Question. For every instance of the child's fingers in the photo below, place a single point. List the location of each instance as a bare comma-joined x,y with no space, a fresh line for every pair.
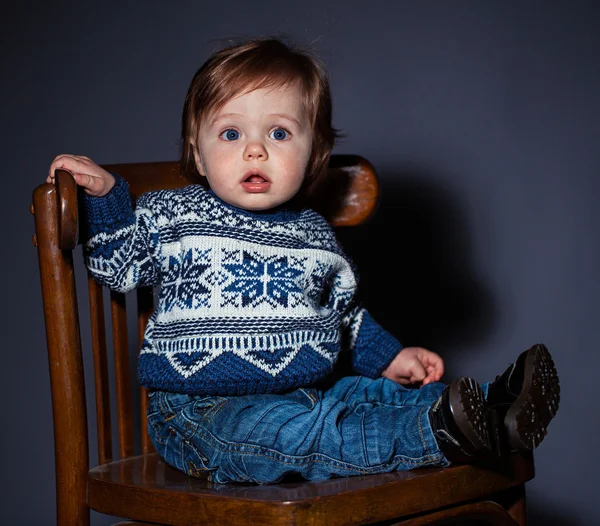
87,174
434,363
435,372
71,162
84,180
66,162
438,369
417,372
92,185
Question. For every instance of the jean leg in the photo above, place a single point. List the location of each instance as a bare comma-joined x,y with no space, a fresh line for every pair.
404,411
485,386
262,438
359,389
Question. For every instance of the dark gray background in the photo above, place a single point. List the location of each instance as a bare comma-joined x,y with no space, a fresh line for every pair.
482,118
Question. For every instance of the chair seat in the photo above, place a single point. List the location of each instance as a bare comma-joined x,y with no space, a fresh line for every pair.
145,488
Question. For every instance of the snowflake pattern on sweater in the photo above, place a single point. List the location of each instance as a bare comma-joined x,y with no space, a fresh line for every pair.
248,302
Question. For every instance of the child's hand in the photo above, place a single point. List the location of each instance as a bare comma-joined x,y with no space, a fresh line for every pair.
415,365
95,181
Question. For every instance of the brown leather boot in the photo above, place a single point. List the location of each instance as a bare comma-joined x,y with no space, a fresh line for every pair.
460,422
526,398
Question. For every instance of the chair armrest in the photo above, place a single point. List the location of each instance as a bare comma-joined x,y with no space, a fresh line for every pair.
68,210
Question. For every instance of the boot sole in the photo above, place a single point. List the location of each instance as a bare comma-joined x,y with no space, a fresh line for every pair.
469,409
527,419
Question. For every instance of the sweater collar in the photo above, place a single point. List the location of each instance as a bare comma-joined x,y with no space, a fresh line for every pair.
280,214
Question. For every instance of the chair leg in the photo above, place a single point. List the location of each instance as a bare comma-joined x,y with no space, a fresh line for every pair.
517,507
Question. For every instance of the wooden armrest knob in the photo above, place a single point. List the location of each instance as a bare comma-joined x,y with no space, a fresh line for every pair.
68,220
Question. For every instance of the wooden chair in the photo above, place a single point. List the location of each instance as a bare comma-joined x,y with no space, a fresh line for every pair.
141,486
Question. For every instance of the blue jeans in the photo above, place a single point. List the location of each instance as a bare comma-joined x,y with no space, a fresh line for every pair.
357,427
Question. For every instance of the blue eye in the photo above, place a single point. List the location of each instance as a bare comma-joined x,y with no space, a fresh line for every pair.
279,134
230,135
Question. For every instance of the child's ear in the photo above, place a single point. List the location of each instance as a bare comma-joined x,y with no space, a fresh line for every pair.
197,158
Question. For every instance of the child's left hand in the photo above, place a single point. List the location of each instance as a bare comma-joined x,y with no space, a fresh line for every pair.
415,365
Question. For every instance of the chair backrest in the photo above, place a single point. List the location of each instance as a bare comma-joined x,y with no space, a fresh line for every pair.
350,198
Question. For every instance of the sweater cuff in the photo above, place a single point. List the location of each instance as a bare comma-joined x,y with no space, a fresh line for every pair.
111,211
377,348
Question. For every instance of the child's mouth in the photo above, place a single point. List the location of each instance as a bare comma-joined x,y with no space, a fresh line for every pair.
255,183
255,179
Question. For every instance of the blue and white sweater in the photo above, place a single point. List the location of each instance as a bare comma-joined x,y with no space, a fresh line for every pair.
248,302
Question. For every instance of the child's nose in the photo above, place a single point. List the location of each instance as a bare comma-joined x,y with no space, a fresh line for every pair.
255,151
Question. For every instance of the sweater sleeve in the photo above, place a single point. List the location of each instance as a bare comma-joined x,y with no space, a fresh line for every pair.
372,348
122,247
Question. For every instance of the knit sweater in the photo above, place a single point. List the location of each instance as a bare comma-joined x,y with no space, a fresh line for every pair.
248,302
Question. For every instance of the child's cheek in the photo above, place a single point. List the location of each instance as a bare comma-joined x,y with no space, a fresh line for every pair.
223,156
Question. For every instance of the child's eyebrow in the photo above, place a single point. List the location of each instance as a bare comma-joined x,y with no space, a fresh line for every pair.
280,115
223,116
287,117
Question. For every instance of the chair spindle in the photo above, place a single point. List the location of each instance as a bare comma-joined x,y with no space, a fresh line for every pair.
101,375
122,381
145,306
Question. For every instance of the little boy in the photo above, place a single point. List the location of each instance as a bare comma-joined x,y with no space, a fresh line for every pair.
257,299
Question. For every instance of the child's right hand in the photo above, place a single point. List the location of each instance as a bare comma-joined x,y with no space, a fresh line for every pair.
96,181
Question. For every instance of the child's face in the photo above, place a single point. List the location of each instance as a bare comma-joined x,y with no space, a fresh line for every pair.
254,150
